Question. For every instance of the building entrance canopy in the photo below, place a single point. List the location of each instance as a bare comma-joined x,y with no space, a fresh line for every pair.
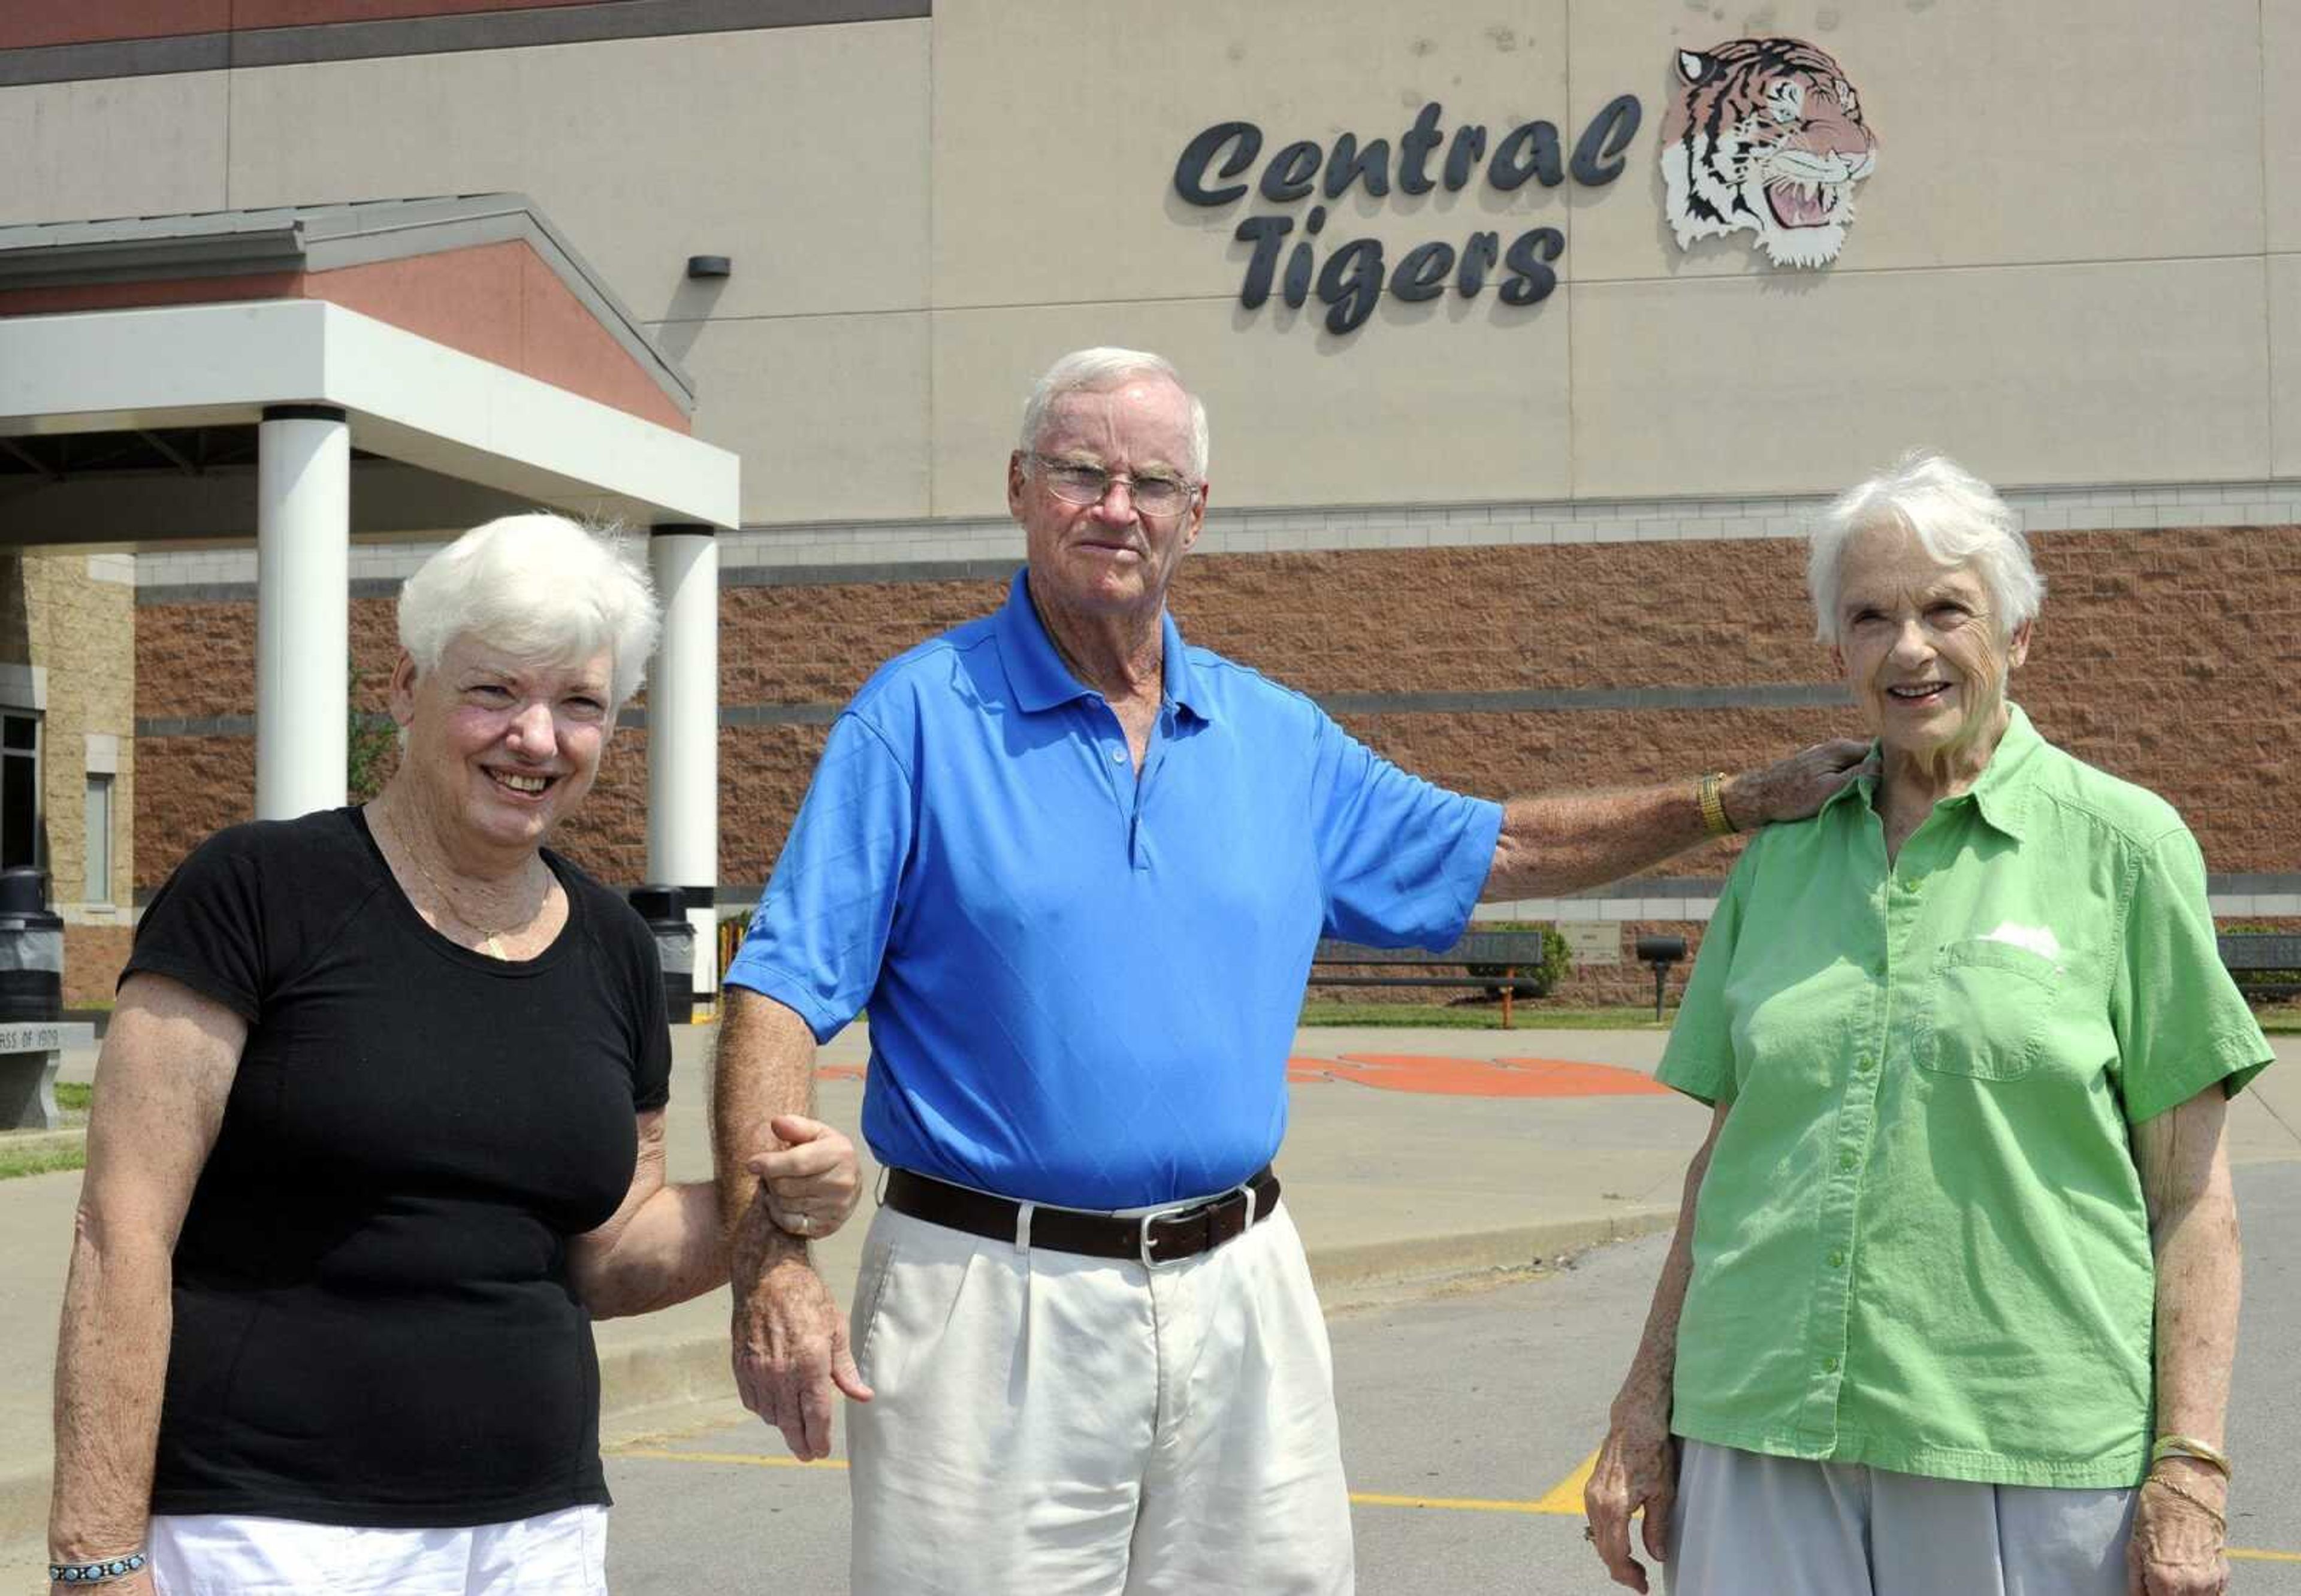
406,368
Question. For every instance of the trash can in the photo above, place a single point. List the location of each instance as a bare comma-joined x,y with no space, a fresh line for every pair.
675,944
31,1001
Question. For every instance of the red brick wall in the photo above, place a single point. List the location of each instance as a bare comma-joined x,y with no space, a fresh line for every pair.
2168,657
93,958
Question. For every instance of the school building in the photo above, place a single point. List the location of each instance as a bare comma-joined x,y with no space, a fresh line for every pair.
1530,334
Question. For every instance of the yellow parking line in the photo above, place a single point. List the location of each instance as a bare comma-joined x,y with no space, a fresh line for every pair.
1564,1498
1457,1504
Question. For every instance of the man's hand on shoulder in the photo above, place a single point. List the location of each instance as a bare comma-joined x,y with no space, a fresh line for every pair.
1794,788
790,1352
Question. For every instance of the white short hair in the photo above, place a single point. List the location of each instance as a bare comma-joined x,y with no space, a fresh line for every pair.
539,587
1092,370
1954,515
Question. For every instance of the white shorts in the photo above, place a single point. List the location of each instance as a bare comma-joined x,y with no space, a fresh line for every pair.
230,1554
1045,1422
1747,1524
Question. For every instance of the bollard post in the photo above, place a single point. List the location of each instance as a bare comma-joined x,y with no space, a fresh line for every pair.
675,946
31,1001
1661,953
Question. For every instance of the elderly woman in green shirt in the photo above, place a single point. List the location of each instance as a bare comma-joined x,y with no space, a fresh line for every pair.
1952,1299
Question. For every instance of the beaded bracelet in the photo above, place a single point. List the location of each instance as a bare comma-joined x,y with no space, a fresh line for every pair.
101,1573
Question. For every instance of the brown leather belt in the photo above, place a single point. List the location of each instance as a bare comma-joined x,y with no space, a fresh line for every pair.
1167,1237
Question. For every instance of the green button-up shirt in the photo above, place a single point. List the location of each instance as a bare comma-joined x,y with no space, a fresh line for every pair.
1921,1244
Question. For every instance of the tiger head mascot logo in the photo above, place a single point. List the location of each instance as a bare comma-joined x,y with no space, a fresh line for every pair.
1765,134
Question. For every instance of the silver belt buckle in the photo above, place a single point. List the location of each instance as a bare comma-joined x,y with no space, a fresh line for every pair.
1143,1247
1143,1241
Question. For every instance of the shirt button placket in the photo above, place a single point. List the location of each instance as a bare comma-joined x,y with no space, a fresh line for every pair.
1841,1205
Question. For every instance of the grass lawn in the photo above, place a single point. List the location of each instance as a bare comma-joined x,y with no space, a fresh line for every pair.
1479,1016
41,1160
42,1156
2282,1021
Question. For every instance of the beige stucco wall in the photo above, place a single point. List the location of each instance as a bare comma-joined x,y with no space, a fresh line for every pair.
82,630
114,147
2058,270
2280,89
2078,260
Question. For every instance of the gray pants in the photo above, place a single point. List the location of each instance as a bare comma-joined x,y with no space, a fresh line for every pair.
1753,1525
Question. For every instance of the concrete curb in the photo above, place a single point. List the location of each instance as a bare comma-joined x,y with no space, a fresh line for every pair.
656,1376
1349,1277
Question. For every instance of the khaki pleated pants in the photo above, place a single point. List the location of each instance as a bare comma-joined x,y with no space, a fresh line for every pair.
1049,1424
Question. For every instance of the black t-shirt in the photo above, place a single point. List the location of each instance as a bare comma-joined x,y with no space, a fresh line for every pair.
373,1318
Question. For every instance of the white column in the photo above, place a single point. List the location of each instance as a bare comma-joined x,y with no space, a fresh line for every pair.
683,734
303,608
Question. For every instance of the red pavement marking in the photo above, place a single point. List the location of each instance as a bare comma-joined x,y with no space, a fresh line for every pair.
1563,1079
839,1071
1475,1077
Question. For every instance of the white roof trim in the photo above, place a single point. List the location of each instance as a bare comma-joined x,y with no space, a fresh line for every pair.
408,397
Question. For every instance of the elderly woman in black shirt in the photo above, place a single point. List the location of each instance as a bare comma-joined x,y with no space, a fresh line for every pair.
378,1130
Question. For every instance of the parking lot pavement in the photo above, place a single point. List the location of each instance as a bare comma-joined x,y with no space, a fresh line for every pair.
1467,1420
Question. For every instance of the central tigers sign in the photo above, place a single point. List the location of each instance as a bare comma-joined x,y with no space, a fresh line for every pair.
1351,280
1761,135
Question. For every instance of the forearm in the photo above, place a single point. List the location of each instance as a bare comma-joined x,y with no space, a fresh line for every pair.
1574,840
1566,842
1654,1366
2183,1161
2199,1284
671,1249
757,1246
112,1361
765,1067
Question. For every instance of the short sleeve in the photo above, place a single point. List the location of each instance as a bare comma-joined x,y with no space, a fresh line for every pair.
207,928
2182,1023
817,939
1698,1059
1402,861
651,1058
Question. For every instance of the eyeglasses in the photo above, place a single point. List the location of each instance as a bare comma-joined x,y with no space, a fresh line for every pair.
1153,493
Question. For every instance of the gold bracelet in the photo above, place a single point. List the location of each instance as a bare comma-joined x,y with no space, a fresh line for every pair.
2188,1495
1713,805
2189,1446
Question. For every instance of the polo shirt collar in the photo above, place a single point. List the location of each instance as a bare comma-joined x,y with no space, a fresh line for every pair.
2000,794
1041,680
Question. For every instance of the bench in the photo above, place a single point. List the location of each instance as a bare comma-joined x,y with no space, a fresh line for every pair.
1510,962
2265,963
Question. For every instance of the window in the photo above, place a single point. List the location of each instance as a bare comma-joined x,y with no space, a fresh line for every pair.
19,789
97,885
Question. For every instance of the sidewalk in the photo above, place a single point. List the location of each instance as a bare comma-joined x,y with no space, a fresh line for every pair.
1399,1166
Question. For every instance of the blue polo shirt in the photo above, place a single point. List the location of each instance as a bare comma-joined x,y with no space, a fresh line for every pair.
1083,983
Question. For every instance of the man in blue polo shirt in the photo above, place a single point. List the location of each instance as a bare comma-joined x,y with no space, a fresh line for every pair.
1077,869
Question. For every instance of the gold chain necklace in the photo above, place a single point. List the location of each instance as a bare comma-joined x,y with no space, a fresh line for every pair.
493,939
